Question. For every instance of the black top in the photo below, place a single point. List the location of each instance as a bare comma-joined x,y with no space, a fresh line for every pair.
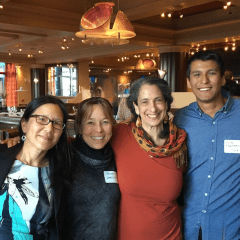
55,224
93,203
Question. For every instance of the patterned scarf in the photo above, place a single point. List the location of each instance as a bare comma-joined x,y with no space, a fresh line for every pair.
174,146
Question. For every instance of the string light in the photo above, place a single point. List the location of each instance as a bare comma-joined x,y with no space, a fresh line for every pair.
204,48
181,16
225,7
226,48
169,15
163,15
229,4
1,6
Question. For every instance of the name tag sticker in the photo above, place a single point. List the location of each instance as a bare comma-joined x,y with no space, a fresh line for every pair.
232,146
110,177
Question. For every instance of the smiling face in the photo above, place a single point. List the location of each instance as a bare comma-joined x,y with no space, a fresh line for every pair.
42,137
97,128
206,81
151,107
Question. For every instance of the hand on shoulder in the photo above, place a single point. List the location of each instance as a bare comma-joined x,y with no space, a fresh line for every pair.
11,141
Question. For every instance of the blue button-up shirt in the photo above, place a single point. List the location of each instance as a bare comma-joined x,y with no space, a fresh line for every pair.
212,182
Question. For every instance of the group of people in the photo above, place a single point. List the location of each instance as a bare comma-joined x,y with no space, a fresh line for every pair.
123,181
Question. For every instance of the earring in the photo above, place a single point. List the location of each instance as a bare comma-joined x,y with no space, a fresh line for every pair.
138,122
23,138
166,118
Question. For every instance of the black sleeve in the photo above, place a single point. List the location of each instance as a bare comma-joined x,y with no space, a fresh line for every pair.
3,147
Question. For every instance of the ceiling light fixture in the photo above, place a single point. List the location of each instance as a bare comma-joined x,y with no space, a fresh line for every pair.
226,48
169,15
20,49
163,15
229,4
181,15
9,53
95,26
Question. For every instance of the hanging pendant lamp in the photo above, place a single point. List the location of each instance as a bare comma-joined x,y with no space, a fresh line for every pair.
95,26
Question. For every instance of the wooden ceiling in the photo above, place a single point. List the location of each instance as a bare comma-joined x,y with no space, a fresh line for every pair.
34,26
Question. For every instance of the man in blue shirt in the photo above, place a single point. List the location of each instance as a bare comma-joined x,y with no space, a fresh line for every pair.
212,181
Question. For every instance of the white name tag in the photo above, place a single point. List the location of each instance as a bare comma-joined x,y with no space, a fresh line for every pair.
232,146
110,177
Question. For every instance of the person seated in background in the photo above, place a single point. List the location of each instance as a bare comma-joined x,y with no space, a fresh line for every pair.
123,112
34,173
231,86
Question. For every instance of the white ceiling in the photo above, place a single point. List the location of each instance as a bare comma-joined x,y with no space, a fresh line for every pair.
41,25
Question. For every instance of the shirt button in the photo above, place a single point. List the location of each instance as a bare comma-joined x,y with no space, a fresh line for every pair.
213,140
204,211
206,194
211,158
209,176
214,122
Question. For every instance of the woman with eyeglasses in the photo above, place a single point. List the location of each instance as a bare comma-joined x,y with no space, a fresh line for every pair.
34,173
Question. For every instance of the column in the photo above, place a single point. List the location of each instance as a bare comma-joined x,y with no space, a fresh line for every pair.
83,79
173,59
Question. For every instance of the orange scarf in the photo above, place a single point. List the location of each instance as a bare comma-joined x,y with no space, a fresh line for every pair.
175,145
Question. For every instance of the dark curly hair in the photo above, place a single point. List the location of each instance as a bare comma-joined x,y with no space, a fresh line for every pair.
163,87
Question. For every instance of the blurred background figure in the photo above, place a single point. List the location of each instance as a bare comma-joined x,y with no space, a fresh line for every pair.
231,86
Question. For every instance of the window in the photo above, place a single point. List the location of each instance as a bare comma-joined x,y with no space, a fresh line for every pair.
2,78
62,80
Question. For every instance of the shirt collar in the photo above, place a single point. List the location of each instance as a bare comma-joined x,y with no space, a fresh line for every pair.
224,109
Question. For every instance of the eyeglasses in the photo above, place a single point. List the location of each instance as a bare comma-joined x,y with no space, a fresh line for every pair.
43,120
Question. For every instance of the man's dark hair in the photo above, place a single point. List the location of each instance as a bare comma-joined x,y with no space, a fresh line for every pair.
205,56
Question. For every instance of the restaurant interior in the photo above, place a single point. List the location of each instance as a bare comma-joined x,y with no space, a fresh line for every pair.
79,49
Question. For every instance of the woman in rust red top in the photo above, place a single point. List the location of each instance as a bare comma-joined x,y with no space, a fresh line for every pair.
150,156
